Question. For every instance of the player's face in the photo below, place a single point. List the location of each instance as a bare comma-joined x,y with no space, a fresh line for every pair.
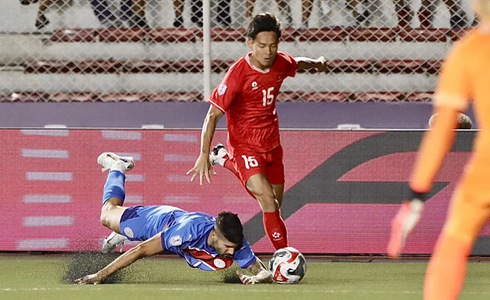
264,49
224,247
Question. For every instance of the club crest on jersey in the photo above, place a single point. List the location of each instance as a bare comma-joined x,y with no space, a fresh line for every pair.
222,89
128,232
176,241
219,263
255,85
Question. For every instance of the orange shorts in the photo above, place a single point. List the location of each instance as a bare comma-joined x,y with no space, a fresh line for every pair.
248,163
469,209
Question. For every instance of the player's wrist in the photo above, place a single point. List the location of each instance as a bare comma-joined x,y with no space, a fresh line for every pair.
263,276
412,195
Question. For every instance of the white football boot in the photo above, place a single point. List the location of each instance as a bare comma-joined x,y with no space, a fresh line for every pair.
112,241
107,159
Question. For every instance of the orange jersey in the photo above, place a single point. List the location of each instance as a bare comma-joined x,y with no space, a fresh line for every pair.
465,77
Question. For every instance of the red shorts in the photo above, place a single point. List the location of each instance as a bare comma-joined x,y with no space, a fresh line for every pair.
248,162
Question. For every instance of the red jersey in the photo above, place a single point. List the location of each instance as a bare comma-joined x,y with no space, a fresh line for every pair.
248,95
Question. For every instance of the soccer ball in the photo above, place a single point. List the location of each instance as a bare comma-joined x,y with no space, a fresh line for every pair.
287,265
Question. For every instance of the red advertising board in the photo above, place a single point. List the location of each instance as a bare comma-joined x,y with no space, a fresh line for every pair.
342,187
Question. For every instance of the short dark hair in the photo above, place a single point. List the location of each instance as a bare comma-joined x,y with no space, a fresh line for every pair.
230,226
263,22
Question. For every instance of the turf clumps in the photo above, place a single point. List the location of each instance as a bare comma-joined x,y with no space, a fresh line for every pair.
229,276
85,263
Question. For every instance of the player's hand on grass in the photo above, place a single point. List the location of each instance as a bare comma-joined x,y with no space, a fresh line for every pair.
245,279
263,276
203,168
89,279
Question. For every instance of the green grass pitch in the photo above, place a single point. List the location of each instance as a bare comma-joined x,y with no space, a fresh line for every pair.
40,277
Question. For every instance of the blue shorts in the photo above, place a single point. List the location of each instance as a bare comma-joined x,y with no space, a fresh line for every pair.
139,223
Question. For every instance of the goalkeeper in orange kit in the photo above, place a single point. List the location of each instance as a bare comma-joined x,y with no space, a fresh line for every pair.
465,76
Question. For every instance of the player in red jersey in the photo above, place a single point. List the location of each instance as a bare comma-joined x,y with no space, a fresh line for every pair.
247,94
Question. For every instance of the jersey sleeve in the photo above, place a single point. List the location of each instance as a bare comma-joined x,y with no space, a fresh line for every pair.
245,256
292,65
223,95
453,88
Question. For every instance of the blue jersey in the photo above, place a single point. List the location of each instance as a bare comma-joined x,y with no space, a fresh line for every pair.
183,233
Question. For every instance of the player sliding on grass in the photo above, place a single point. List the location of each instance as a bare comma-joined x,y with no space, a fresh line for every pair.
247,95
465,76
205,242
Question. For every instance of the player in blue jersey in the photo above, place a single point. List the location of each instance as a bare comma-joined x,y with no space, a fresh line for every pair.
205,242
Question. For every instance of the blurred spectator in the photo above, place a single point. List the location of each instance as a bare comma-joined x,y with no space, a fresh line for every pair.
428,9
41,19
306,7
196,12
139,17
284,9
404,13
222,13
361,10
178,11
104,14
132,11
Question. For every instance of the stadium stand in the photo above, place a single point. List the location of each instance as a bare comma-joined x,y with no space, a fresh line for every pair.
74,59
113,61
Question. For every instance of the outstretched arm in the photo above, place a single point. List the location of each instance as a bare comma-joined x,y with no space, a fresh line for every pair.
202,166
304,63
435,145
147,248
261,274
433,149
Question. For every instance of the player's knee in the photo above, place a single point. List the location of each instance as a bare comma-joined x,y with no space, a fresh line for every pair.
105,213
261,193
267,201
104,220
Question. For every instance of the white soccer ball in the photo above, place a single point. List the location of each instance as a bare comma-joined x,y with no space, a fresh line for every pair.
287,265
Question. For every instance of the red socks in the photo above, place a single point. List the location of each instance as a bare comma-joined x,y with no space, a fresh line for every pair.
275,229
274,225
